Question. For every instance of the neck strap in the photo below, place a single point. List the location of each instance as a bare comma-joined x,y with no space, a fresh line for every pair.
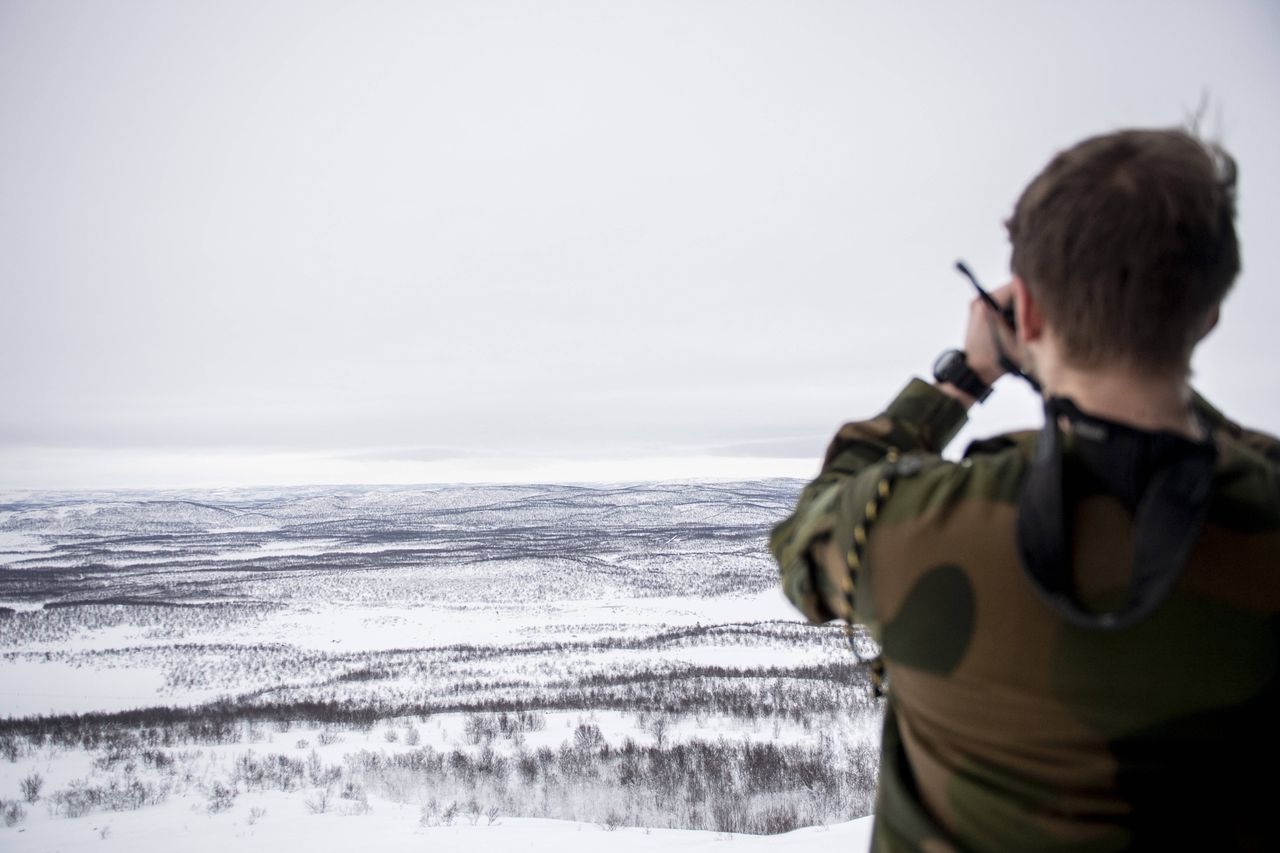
1163,479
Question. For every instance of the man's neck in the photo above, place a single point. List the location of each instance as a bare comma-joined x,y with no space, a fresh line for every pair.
1153,403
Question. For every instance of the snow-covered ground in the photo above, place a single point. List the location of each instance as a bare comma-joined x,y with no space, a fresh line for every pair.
284,824
419,667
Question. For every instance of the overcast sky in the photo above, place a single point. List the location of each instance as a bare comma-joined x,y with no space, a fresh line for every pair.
273,242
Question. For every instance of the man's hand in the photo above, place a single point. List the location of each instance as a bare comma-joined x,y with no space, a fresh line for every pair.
979,337
981,353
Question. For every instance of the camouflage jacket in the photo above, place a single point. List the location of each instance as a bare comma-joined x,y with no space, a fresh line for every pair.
1007,728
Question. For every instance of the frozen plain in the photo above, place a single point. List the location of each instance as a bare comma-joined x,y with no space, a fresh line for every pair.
459,663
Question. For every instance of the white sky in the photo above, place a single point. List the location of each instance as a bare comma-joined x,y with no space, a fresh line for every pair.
271,242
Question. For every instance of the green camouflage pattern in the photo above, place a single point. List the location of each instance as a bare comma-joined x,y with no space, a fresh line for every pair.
1007,728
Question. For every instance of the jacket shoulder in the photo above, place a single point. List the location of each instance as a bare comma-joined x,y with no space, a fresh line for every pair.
1011,445
991,470
1246,488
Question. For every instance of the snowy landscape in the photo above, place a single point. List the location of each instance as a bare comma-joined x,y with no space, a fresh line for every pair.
420,667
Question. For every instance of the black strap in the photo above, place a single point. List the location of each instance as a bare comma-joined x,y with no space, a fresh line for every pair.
1006,315
1165,480
1006,361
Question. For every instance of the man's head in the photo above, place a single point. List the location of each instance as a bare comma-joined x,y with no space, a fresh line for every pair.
1126,242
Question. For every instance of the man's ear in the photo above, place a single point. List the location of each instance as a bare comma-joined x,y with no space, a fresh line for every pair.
1027,312
1210,322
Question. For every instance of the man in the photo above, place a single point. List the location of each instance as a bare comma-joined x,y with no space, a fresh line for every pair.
1080,627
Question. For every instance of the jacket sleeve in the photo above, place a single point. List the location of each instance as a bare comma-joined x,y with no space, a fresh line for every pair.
818,548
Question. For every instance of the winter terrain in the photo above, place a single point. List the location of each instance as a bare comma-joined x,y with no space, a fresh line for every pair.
430,668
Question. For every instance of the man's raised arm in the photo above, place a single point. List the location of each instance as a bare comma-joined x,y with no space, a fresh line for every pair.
818,548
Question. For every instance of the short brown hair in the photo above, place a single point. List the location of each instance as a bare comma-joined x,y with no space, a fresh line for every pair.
1128,241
